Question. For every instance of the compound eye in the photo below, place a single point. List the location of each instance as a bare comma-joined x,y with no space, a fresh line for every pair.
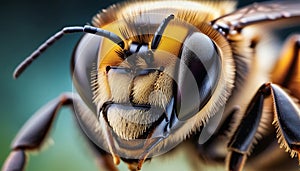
84,62
198,74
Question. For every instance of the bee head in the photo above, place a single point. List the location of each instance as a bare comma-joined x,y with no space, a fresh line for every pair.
159,86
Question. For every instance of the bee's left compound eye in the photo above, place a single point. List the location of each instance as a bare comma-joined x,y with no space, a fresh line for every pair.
198,75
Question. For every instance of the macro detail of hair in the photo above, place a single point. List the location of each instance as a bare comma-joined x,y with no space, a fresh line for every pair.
160,79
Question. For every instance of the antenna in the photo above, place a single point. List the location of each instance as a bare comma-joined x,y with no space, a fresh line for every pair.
158,34
66,30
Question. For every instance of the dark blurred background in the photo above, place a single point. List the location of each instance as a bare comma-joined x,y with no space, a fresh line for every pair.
24,26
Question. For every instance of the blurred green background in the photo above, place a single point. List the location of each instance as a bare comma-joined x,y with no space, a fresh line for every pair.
24,26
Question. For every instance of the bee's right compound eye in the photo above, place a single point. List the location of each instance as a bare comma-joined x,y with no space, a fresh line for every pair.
198,75
84,62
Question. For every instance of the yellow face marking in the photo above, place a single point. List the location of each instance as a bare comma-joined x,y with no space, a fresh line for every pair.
172,38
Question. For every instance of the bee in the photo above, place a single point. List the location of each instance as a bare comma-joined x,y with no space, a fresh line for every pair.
152,75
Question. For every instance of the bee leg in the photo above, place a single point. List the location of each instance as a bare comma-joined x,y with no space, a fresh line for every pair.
34,132
286,120
243,137
286,72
